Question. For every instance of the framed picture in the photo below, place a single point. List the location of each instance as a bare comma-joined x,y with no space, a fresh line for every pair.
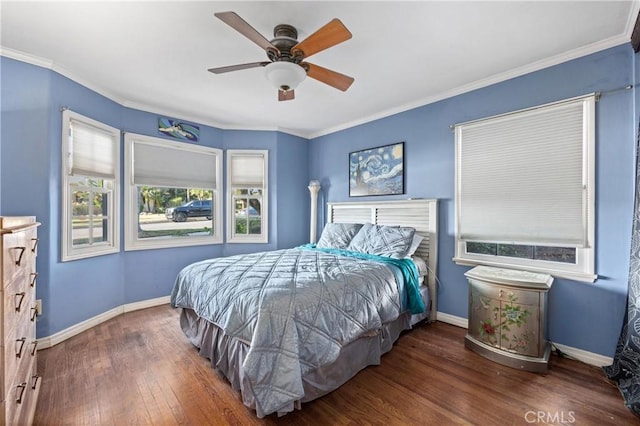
178,129
377,171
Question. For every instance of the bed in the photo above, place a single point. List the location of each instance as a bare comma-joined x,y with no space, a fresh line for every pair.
288,326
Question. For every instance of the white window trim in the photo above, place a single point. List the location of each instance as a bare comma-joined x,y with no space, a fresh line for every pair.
132,242
248,239
584,268
69,253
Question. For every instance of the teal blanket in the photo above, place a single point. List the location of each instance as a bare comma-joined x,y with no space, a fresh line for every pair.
407,269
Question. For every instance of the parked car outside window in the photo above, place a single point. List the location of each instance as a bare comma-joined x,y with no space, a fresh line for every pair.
195,208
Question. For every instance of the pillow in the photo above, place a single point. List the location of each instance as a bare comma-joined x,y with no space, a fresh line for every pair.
417,239
338,235
423,269
383,240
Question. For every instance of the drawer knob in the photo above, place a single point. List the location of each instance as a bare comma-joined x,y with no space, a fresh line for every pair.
35,245
35,381
22,249
34,312
19,299
22,342
22,387
35,346
34,277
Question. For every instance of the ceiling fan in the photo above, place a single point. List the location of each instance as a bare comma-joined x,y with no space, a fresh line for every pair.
287,67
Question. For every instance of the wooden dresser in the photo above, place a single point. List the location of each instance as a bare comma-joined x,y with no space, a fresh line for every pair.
19,378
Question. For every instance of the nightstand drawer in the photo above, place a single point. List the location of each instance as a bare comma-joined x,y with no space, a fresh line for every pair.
505,294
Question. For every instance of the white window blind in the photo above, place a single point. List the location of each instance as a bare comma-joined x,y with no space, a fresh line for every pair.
247,196
168,164
90,187
247,170
92,150
523,178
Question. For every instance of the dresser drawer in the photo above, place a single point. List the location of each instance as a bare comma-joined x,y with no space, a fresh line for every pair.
18,302
505,294
19,351
15,256
19,251
21,396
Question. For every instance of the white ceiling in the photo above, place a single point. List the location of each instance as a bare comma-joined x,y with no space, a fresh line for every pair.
154,55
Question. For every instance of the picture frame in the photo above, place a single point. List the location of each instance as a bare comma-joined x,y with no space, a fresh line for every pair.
377,171
178,129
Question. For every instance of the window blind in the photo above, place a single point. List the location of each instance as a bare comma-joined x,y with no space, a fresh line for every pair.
92,150
169,165
522,177
247,170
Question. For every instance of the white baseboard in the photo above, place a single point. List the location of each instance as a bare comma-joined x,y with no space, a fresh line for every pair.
590,358
584,356
46,342
453,320
149,303
61,336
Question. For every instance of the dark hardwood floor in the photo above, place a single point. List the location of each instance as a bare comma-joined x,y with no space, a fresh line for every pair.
139,368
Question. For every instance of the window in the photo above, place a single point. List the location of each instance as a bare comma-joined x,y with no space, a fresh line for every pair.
247,196
525,190
90,183
173,196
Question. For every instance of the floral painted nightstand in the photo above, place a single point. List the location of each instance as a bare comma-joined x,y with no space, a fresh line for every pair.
507,317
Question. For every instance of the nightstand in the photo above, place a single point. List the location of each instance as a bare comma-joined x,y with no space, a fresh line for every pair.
507,317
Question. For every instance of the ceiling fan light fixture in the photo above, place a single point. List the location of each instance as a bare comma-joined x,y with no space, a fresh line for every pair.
285,75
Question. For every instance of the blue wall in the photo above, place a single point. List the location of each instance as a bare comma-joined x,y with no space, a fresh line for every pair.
30,183
584,316
581,315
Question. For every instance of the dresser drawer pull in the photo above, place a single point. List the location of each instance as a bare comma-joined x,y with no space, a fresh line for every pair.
34,312
23,387
35,345
35,245
22,249
22,342
35,381
19,299
34,277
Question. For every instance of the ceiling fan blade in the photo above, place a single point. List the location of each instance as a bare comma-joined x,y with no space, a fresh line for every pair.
331,34
237,23
286,95
238,67
327,76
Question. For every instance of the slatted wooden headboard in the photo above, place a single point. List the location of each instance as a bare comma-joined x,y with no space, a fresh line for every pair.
419,214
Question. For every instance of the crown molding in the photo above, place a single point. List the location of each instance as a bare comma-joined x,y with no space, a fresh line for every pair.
479,84
207,121
25,57
49,64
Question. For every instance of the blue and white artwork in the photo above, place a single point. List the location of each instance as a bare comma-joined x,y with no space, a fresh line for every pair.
377,171
178,129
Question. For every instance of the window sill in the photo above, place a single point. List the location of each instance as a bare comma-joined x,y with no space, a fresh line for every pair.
254,240
175,243
570,275
88,253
